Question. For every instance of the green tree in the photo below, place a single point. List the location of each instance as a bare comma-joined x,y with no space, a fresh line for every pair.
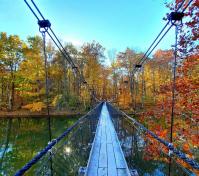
11,55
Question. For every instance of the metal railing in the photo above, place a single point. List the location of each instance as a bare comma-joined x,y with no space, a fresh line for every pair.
141,151
67,153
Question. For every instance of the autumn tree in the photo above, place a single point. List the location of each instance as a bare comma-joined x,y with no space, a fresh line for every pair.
10,57
126,63
93,53
32,86
188,36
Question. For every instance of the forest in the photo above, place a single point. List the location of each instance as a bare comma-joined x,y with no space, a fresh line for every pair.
147,94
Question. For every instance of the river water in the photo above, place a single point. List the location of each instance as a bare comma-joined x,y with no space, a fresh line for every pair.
23,138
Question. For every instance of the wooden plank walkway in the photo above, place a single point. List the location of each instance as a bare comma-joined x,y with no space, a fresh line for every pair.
106,156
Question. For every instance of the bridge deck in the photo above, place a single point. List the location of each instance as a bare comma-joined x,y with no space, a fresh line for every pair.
106,157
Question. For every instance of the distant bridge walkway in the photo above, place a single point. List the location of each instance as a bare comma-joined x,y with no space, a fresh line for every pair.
106,157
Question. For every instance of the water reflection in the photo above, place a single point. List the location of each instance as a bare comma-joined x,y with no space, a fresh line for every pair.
70,154
148,158
22,138
67,150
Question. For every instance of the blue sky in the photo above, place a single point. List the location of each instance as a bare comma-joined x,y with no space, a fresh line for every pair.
113,23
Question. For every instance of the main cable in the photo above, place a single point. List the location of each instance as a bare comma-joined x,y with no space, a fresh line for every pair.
36,7
155,45
145,56
56,42
42,16
64,52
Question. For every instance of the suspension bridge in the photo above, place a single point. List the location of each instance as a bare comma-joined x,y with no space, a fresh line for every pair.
100,134
106,156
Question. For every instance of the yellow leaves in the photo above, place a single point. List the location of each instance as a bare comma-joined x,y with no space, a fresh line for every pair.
56,100
174,135
35,107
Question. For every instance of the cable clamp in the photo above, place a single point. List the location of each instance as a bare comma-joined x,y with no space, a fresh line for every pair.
170,146
74,67
44,25
138,66
176,16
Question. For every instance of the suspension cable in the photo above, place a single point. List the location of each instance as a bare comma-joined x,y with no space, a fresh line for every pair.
194,164
31,9
63,51
51,144
145,58
68,56
174,83
173,92
57,43
147,53
43,29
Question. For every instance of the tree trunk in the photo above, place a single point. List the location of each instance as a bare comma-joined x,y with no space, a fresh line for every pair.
143,88
11,93
154,86
65,90
2,89
131,87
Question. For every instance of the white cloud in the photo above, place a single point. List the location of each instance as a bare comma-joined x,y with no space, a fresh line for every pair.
76,42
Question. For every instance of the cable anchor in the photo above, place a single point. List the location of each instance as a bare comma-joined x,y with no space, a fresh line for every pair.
44,25
138,66
176,16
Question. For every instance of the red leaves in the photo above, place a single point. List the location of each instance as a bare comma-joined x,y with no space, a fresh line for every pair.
186,147
186,111
189,31
163,134
196,3
163,56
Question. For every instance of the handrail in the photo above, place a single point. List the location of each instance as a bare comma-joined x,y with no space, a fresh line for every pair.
170,146
52,143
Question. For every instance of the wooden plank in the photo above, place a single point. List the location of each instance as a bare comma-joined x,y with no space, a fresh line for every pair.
93,164
102,171
103,155
112,170
122,172
108,133
109,140
103,135
98,135
106,156
120,162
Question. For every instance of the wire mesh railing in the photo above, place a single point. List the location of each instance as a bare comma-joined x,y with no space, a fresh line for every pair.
143,152
69,152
